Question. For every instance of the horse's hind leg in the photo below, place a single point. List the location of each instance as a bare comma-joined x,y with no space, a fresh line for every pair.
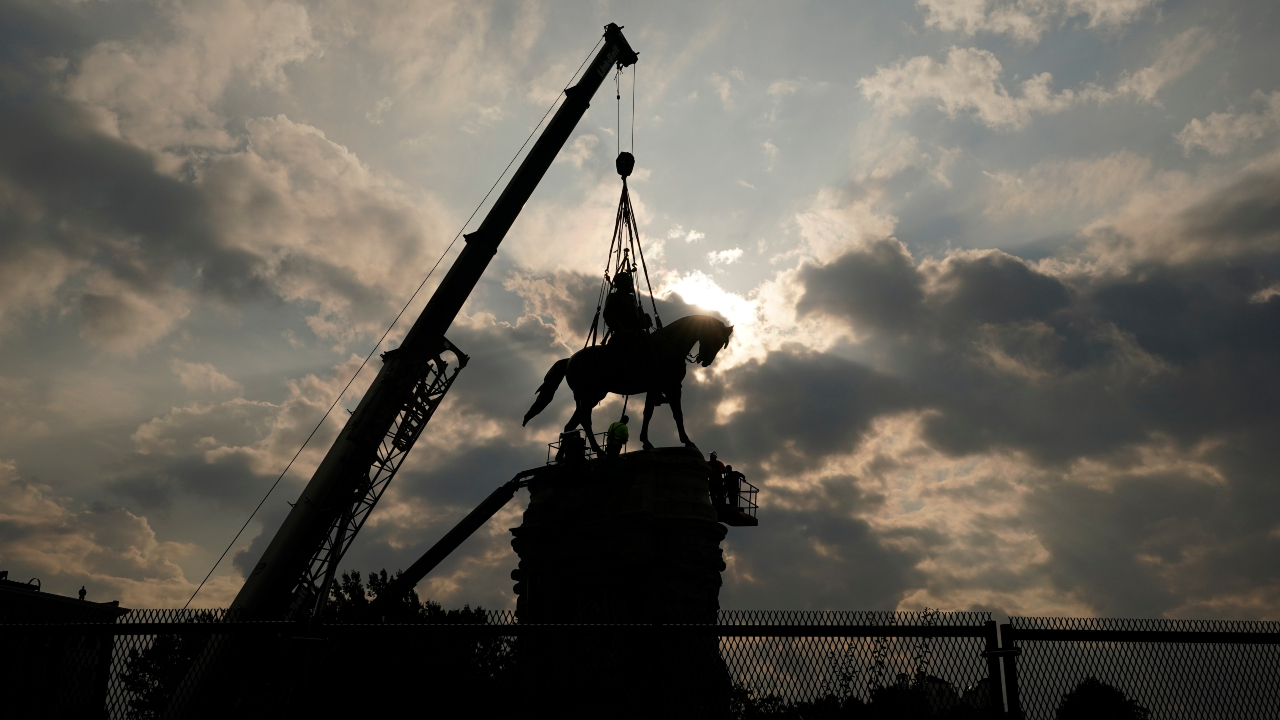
573,420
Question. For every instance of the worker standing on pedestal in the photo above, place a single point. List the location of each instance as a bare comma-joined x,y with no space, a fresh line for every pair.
715,483
732,484
617,437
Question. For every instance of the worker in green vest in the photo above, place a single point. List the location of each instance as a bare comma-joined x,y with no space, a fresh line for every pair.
616,437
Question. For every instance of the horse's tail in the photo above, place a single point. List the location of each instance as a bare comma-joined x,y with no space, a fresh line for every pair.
547,390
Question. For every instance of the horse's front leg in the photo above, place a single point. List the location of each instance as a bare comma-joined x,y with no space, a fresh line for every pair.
673,397
648,414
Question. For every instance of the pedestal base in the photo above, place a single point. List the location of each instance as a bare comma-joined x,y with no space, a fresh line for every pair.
631,539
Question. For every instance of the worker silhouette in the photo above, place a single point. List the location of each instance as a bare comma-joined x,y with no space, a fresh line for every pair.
616,437
573,449
715,483
732,484
83,592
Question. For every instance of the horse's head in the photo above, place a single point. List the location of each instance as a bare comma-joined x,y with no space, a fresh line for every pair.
713,342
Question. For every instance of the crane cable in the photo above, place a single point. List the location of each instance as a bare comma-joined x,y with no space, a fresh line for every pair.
391,326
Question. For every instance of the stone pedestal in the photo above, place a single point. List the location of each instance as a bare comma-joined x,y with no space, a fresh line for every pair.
631,539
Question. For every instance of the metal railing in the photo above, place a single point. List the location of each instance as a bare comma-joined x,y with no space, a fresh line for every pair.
744,498
578,450
750,664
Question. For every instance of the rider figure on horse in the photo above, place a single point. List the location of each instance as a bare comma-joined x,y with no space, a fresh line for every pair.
628,323
622,312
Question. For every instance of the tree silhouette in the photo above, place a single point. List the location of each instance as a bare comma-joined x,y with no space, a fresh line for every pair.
152,674
459,663
1093,699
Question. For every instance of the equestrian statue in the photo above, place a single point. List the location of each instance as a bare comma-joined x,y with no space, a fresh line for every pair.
632,361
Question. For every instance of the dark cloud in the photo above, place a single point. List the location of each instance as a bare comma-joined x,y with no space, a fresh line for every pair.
799,407
878,286
152,484
995,288
1249,209
1163,377
814,560
111,190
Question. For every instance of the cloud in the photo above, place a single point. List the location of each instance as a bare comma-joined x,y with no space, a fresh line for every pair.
1041,404
969,80
374,116
771,152
725,257
550,235
834,222
255,435
1179,218
198,377
724,89
579,151
782,88
1077,183
29,280
163,95
1222,133
679,233
113,553
124,317
1177,56
278,217
1028,20
438,60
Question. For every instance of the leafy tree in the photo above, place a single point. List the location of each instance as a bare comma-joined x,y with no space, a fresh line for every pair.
152,674
387,661
1093,699
349,597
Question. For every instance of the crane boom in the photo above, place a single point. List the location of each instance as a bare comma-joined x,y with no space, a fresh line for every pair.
294,572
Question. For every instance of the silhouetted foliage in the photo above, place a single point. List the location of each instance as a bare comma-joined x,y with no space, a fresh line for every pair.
151,675
448,667
1093,699
923,696
349,597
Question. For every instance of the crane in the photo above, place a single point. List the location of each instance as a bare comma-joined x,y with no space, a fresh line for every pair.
291,580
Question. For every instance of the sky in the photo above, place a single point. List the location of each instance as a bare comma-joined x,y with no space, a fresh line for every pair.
1004,278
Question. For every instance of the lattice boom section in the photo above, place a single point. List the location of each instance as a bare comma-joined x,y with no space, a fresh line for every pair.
399,439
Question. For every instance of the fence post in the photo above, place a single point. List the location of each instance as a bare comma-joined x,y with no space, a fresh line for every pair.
996,702
1010,651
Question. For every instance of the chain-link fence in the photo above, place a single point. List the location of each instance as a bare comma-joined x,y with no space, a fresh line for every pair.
1161,669
174,663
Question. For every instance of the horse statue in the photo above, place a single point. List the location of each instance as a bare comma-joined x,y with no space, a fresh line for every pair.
656,369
